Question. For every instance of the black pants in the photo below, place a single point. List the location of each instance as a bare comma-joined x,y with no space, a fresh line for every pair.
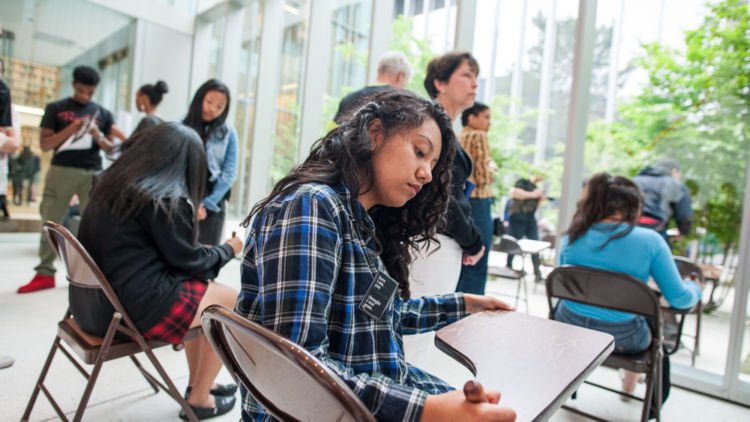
520,225
211,228
4,206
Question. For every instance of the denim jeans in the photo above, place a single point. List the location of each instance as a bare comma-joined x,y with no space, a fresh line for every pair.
474,277
631,336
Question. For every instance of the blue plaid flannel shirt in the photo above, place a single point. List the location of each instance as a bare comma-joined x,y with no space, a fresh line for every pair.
306,270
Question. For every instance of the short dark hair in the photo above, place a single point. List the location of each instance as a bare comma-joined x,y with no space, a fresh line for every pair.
474,110
441,68
154,92
86,75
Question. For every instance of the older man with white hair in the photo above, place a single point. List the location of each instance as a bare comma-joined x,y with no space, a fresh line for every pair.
394,72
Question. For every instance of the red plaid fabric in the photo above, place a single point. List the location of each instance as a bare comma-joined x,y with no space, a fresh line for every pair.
172,328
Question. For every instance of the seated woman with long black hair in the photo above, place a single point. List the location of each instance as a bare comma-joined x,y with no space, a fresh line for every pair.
344,220
604,235
140,227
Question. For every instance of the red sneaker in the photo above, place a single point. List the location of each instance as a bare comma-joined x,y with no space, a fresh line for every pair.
39,282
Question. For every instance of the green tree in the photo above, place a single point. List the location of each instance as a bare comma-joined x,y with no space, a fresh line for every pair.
695,108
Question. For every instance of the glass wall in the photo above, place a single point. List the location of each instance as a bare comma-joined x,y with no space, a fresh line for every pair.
350,39
287,121
40,45
245,100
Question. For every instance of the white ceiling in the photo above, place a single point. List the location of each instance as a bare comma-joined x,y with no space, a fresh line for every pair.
54,32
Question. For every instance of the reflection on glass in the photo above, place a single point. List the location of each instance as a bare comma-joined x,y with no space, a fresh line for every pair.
286,134
245,100
215,46
348,66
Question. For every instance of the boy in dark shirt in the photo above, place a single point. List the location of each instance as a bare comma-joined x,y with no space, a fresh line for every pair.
76,128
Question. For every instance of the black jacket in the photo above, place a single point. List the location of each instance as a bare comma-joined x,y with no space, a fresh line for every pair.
461,225
146,258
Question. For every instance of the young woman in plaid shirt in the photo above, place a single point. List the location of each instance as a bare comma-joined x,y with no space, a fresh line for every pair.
370,190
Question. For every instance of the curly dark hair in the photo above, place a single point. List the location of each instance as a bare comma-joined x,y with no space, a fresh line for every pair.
344,156
605,196
441,68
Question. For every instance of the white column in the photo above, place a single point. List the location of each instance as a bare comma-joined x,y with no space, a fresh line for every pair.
516,82
740,306
545,88
265,117
578,113
230,61
489,93
614,63
201,43
315,75
380,36
466,16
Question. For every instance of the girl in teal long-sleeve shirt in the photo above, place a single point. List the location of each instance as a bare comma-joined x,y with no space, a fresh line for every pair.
603,235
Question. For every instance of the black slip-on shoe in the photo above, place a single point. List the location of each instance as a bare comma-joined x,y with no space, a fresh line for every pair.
223,405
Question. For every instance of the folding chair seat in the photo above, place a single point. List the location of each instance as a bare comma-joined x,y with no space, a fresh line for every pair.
509,245
289,382
686,268
82,271
619,292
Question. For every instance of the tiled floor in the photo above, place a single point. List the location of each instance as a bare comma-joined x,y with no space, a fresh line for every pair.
121,394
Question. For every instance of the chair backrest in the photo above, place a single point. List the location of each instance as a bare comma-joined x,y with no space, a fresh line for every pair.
508,244
80,268
687,267
286,379
605,289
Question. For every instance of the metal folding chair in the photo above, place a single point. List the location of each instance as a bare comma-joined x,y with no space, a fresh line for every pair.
509,245
82,271
289,382
620,292
686,268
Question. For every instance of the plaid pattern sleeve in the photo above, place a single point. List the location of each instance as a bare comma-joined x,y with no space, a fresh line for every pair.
305,271
431,312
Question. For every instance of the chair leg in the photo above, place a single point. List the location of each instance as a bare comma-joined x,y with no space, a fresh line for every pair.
658,390
144,373
696,344
40,381
526,294
518,292
103,351
170,385
647,398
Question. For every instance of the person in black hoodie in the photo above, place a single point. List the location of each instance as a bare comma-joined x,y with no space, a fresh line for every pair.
141,228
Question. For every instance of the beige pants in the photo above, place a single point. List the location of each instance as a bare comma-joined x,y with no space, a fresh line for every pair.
60,185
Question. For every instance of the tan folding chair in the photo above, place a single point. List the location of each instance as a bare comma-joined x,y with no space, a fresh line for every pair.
509,245
687,268
620,292
82,271
289,382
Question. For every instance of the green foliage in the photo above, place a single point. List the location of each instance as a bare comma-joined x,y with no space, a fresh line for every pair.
696,109
416,49
722,214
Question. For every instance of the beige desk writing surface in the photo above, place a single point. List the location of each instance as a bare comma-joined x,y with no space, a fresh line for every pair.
535,363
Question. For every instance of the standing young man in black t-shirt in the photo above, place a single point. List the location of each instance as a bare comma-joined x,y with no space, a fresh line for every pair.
76,128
